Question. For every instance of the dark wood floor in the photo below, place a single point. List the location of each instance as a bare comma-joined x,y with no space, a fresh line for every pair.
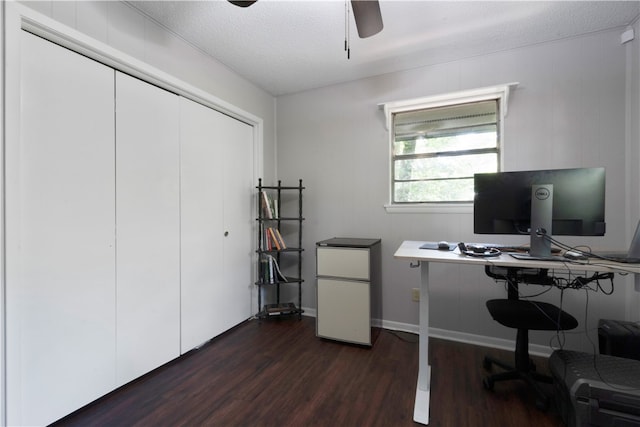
278,373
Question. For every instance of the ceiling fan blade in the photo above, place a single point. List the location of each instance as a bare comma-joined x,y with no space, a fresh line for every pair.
242,3
368,17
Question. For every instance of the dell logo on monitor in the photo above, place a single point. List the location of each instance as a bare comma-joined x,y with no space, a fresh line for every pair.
542,193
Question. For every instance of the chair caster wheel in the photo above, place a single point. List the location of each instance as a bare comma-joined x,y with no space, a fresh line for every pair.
488,383
486,364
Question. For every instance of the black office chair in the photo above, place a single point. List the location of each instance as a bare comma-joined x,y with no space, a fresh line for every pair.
524,315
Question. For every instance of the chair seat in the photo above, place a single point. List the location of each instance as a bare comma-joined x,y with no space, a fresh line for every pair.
531,315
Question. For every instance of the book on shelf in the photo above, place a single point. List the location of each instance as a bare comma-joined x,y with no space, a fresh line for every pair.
266,205
267,240
272,239
267,244
270,270
280,240
269,206
281,308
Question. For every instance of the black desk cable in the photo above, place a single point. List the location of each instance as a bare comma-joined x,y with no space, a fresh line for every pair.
584,250
562,283
576,283
478,250
542,278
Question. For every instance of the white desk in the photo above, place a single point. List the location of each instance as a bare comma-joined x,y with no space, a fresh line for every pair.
410,250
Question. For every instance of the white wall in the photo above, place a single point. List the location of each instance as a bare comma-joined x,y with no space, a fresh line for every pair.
568,111
633,158
127,30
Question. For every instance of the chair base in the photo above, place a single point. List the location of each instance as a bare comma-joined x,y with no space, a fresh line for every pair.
528,375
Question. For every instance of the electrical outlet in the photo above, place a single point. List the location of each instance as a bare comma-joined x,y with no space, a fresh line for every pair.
415,294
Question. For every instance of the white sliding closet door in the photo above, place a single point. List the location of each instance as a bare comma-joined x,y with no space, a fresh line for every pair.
147,227
201,218
60,255
234,301
216,171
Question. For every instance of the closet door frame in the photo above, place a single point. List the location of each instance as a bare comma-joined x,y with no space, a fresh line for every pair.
18,18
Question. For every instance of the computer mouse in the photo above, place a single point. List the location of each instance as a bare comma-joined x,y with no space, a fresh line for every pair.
574,255
443,246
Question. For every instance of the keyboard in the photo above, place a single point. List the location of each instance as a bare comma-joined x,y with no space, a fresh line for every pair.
506,248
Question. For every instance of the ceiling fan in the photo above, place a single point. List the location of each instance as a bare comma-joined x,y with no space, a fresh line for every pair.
365,12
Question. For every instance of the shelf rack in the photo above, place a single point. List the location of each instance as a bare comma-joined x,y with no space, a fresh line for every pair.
275,193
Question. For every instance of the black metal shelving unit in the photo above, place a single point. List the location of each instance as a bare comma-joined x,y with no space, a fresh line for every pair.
293,253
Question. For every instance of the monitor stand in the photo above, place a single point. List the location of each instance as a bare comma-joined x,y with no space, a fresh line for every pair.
541,223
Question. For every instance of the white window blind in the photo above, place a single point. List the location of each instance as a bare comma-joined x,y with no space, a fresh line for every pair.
438,143
436,151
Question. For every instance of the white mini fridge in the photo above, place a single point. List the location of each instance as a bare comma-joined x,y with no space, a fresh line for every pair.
348,282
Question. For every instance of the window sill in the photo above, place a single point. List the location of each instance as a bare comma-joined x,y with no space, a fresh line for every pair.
440,208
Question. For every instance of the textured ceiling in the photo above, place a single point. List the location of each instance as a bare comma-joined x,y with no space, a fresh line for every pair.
290,46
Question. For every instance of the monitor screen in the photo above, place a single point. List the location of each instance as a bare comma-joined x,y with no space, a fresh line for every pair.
502,203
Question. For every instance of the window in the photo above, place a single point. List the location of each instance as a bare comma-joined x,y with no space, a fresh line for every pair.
439,143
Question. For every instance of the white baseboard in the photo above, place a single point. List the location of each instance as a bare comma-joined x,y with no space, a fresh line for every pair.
463,337
309,312
484,341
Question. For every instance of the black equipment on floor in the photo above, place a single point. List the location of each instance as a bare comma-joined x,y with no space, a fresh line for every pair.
596,390
619,338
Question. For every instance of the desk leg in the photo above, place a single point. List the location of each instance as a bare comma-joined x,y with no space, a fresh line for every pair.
421,407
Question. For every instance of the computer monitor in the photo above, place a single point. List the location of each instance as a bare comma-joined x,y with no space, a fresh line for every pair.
540,203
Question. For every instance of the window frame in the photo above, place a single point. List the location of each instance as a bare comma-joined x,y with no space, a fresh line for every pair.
499,93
